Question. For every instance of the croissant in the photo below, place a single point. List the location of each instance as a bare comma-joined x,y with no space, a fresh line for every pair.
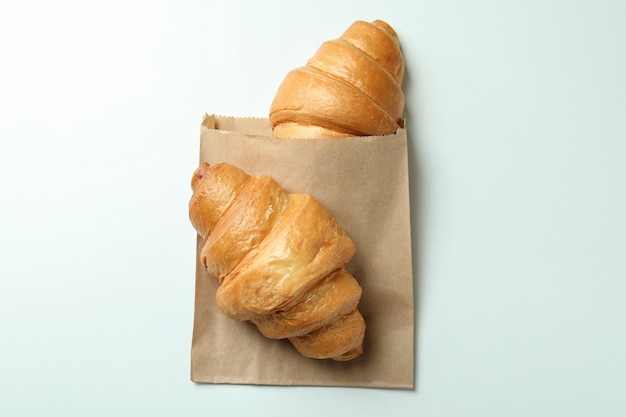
280,261
352,86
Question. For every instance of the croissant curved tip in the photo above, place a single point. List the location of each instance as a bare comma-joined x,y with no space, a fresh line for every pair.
198,174
386,27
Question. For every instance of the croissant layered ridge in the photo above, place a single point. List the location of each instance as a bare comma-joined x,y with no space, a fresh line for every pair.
280,261
352,86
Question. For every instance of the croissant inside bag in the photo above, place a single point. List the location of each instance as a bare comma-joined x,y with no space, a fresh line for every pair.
362,182
352,86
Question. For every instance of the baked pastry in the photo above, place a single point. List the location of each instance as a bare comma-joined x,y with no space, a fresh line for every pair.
352,86
280,261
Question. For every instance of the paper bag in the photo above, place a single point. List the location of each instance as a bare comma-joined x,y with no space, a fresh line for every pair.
363,182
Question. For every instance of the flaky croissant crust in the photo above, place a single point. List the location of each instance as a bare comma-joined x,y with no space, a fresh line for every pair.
352,86
280,261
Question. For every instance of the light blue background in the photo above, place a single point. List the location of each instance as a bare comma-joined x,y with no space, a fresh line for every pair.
516,117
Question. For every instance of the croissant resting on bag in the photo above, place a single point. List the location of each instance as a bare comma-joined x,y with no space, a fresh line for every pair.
279,259
352,86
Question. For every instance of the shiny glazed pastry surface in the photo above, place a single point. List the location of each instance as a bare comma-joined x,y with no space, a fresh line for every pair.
352,86
280,261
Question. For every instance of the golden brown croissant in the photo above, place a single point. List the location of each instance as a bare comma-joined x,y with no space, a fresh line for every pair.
352,86
279,259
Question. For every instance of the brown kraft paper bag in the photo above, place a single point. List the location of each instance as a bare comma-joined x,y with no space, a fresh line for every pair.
364,184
